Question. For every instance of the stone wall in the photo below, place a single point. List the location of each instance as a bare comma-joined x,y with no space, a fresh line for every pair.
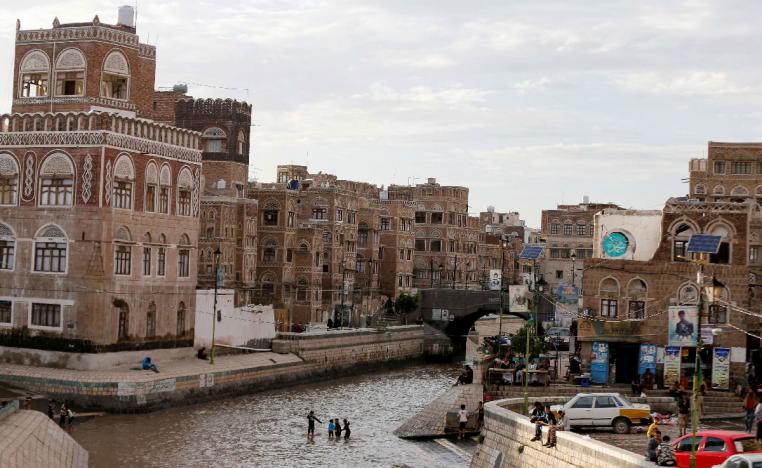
347,348
507,444
89,361
305,357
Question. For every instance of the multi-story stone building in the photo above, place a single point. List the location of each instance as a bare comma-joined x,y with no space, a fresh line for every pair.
446,240
627,291
567,232
98,205
228,216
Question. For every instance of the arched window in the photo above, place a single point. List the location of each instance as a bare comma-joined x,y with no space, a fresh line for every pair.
301,290
637,291
9,180
50,250
183,257
718,190
609,293
723,253
304,247
57,181
34,73
181,319
268,287
152,186
124,176
680,237
165,187
269,251
151,320
123,321
115,78
270,214
568,228
122,252
7,247
699,190
214,140
241,142
184,189
70,73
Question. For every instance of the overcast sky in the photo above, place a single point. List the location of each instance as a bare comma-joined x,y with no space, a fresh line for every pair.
529,104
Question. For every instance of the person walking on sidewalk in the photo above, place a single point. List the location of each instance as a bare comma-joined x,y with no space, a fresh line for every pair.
462,420
311,418
749,403
683,414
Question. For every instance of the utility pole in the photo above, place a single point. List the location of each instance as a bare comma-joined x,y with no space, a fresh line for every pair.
455,271
431,267
502,273
217,255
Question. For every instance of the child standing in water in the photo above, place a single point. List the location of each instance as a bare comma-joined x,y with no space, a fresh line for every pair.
311,418
337,428
331,428
347,432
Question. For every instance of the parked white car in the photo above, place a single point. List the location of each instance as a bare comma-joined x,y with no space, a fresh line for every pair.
604,409
752,460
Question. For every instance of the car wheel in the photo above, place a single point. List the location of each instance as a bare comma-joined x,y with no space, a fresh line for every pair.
621,425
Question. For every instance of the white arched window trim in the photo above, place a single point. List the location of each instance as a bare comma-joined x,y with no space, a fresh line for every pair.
70,73
151,189
123,190
56,181
7,248
34,75
51,249
9,180
115,76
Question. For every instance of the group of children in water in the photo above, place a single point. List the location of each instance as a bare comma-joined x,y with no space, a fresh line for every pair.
334,427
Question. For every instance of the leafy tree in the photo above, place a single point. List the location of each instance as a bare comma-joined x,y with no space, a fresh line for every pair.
519,343
407,303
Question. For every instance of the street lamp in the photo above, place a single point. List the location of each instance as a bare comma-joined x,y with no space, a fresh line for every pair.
370,287
215,312
713,291
503,245
573,259
539,288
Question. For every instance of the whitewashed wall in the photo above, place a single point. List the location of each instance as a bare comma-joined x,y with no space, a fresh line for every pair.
643,226
238,326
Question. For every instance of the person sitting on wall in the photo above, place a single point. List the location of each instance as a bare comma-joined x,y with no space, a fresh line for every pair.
148,365
647,381
202,353
469,375
329,323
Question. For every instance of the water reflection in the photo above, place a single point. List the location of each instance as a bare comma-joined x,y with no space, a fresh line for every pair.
270,428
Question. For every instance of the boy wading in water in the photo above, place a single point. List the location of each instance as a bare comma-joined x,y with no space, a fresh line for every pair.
311,418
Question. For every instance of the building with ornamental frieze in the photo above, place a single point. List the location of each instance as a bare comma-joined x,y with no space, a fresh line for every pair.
99,205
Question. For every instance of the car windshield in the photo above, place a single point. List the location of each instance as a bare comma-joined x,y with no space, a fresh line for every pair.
746,444
624,400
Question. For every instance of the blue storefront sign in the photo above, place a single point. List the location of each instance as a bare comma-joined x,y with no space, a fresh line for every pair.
647,359
599,363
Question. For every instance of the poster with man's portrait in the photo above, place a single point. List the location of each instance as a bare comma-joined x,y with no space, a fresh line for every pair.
518,295
683,326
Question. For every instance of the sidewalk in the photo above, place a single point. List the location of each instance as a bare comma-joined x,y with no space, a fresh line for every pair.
179,382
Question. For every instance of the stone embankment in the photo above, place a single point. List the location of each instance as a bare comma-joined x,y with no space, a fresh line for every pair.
507,444
31,439
296,358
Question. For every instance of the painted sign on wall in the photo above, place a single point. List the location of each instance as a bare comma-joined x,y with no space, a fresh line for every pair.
495,280
671,365
721,368
518,298
647,359
599,363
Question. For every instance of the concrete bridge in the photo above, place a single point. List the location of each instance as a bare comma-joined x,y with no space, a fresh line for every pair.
454,311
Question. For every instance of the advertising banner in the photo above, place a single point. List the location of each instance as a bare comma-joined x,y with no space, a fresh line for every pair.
683,326
671,365
568,294
495,280
721,368
518,298
647,359
599,363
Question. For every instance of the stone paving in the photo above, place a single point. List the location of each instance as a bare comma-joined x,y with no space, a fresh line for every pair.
430,421
173,368
31,439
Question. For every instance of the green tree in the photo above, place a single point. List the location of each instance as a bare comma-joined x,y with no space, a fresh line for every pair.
407,303
519,343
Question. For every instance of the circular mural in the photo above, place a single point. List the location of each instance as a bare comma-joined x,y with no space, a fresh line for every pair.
615,244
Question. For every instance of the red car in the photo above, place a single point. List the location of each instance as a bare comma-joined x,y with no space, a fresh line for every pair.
713,447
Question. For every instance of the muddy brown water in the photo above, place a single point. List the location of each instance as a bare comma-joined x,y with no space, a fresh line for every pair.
269,428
